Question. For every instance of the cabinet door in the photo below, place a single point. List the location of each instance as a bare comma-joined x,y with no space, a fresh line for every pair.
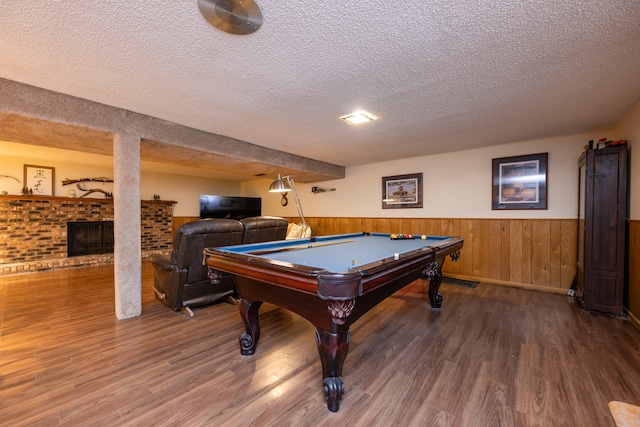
605,212
582,186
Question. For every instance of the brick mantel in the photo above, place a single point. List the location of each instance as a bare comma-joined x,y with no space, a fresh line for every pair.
33,230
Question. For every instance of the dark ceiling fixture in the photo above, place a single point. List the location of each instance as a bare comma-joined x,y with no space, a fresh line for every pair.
232,16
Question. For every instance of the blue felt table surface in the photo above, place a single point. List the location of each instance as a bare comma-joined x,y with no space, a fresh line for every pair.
338,253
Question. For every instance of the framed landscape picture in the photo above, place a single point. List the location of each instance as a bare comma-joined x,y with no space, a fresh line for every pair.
402,191
520,182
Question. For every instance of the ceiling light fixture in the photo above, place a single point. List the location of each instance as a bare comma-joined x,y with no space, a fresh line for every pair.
238,17
358,117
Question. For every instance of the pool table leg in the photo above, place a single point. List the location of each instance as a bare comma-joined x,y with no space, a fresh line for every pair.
333,349
433,273
249,314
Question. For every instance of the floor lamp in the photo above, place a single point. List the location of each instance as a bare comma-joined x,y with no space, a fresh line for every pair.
283,185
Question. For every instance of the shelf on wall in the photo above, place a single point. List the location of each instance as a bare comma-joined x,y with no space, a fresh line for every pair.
91,199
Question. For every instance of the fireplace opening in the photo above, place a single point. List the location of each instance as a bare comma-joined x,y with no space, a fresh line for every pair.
89,238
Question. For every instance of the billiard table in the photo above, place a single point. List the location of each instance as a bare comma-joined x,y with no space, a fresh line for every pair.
331,281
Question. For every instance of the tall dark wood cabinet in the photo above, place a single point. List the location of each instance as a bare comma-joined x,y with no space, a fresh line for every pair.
602,215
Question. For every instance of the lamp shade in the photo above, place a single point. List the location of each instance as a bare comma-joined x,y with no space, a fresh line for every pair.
279,186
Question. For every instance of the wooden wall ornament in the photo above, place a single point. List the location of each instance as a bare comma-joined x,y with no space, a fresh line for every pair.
9,176
80,184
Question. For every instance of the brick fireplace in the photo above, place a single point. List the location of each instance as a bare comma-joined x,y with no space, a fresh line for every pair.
33,230
89,238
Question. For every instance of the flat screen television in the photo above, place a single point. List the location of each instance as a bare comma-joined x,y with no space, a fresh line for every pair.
229,207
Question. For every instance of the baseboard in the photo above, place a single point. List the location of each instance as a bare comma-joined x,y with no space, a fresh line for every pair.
633,319
547,289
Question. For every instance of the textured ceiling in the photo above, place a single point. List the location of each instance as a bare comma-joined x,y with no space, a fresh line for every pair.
442,75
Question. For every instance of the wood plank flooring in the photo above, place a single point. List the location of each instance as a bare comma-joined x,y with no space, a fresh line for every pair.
491,356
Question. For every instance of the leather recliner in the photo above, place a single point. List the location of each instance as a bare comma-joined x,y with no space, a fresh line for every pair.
258,229
180,280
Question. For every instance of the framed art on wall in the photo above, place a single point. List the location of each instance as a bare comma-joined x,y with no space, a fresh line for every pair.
402,191
39,179
520,182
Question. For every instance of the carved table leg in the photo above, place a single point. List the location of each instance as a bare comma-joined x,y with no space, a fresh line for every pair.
333,349
249,314
434,274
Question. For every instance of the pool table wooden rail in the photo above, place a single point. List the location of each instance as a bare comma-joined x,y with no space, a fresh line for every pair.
329,285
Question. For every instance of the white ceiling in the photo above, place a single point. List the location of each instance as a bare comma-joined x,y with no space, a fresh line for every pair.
441,75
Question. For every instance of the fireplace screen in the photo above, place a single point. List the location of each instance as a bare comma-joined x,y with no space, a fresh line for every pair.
89,238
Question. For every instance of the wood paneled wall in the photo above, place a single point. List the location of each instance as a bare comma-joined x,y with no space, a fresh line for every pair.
179,220
632,297
530,253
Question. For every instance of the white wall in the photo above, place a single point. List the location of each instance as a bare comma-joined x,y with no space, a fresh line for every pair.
185,190
456,185
629,129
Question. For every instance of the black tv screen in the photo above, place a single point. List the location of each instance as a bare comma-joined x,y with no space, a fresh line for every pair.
229,207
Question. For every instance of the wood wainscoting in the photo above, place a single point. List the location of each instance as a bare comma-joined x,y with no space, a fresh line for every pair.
179,220
529,253
632,294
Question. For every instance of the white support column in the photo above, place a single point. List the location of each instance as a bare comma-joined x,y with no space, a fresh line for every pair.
126,200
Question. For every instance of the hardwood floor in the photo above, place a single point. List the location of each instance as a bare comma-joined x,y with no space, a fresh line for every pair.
491,356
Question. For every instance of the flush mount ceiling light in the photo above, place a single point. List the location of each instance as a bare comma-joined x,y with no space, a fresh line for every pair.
358,117
238,17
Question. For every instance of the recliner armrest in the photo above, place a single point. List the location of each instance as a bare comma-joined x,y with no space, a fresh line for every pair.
161,261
